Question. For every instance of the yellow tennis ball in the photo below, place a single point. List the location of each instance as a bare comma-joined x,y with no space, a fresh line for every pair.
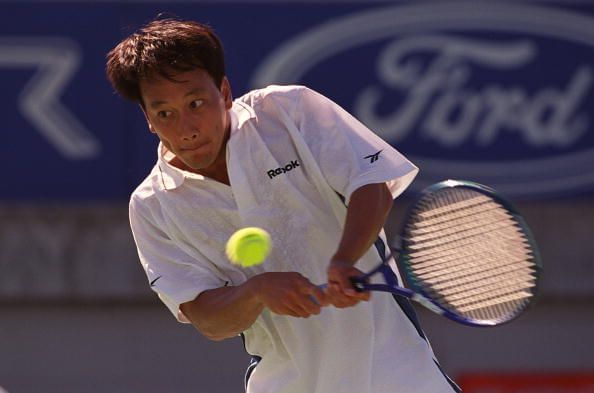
248,246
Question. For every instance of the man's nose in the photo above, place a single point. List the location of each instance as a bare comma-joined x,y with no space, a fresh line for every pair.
189,130
188,136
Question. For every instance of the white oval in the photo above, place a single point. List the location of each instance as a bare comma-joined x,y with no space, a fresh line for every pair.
562,173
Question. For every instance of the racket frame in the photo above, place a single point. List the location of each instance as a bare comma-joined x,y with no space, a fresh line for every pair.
417,293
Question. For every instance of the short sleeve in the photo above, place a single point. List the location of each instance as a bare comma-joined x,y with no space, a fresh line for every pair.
348,153
174,275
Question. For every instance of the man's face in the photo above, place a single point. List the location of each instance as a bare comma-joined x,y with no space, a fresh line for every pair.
190,116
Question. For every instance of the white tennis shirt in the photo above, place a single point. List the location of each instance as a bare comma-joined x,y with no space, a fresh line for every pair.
290,152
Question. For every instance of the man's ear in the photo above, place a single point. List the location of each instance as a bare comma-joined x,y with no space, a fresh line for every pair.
226,92
148,122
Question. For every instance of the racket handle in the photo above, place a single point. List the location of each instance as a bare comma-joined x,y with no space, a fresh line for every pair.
358,284
313,299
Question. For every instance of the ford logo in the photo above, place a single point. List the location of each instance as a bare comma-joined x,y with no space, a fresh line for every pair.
496,93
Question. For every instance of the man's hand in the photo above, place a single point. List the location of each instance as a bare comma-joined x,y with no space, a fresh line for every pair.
340,290
227,311
290,293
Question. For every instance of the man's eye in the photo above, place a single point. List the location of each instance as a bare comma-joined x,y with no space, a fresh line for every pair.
196,104
164,114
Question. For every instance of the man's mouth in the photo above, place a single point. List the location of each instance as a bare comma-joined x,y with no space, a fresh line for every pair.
192,148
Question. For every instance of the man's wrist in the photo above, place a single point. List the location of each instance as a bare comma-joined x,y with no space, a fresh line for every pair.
342,259
253,287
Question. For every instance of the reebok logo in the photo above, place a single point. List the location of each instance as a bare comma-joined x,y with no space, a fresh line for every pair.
373,157
278,171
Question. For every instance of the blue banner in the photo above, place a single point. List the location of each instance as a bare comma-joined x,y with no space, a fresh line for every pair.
496,93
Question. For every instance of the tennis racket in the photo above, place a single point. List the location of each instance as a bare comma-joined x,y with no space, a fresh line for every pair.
466,254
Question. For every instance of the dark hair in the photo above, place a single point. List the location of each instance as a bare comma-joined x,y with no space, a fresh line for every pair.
164,47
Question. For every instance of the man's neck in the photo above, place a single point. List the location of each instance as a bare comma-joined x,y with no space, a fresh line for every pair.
217,171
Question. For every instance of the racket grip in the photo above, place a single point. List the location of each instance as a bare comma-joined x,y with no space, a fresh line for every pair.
358,283
313,299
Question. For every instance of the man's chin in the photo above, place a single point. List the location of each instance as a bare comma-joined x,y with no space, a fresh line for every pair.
196,166
187,165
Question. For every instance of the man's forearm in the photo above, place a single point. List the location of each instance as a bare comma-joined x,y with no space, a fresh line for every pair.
224,312
368,209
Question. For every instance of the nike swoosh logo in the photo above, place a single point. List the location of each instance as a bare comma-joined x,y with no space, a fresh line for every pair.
155,280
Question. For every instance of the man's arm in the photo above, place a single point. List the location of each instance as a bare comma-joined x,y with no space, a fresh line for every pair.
367,212
226,312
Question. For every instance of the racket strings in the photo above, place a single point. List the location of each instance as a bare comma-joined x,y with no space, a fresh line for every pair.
432,207
426,230
481,291
468,296
461,258
476,292
505,305
463,273
508,235
462,234
435,223
480,306
468,253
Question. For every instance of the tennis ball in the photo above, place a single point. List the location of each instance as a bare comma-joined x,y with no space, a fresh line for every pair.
248,246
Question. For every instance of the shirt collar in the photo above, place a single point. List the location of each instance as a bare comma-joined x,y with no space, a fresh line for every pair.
240,114
171,177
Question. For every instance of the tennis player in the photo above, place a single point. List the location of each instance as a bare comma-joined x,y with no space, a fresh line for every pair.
289,160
